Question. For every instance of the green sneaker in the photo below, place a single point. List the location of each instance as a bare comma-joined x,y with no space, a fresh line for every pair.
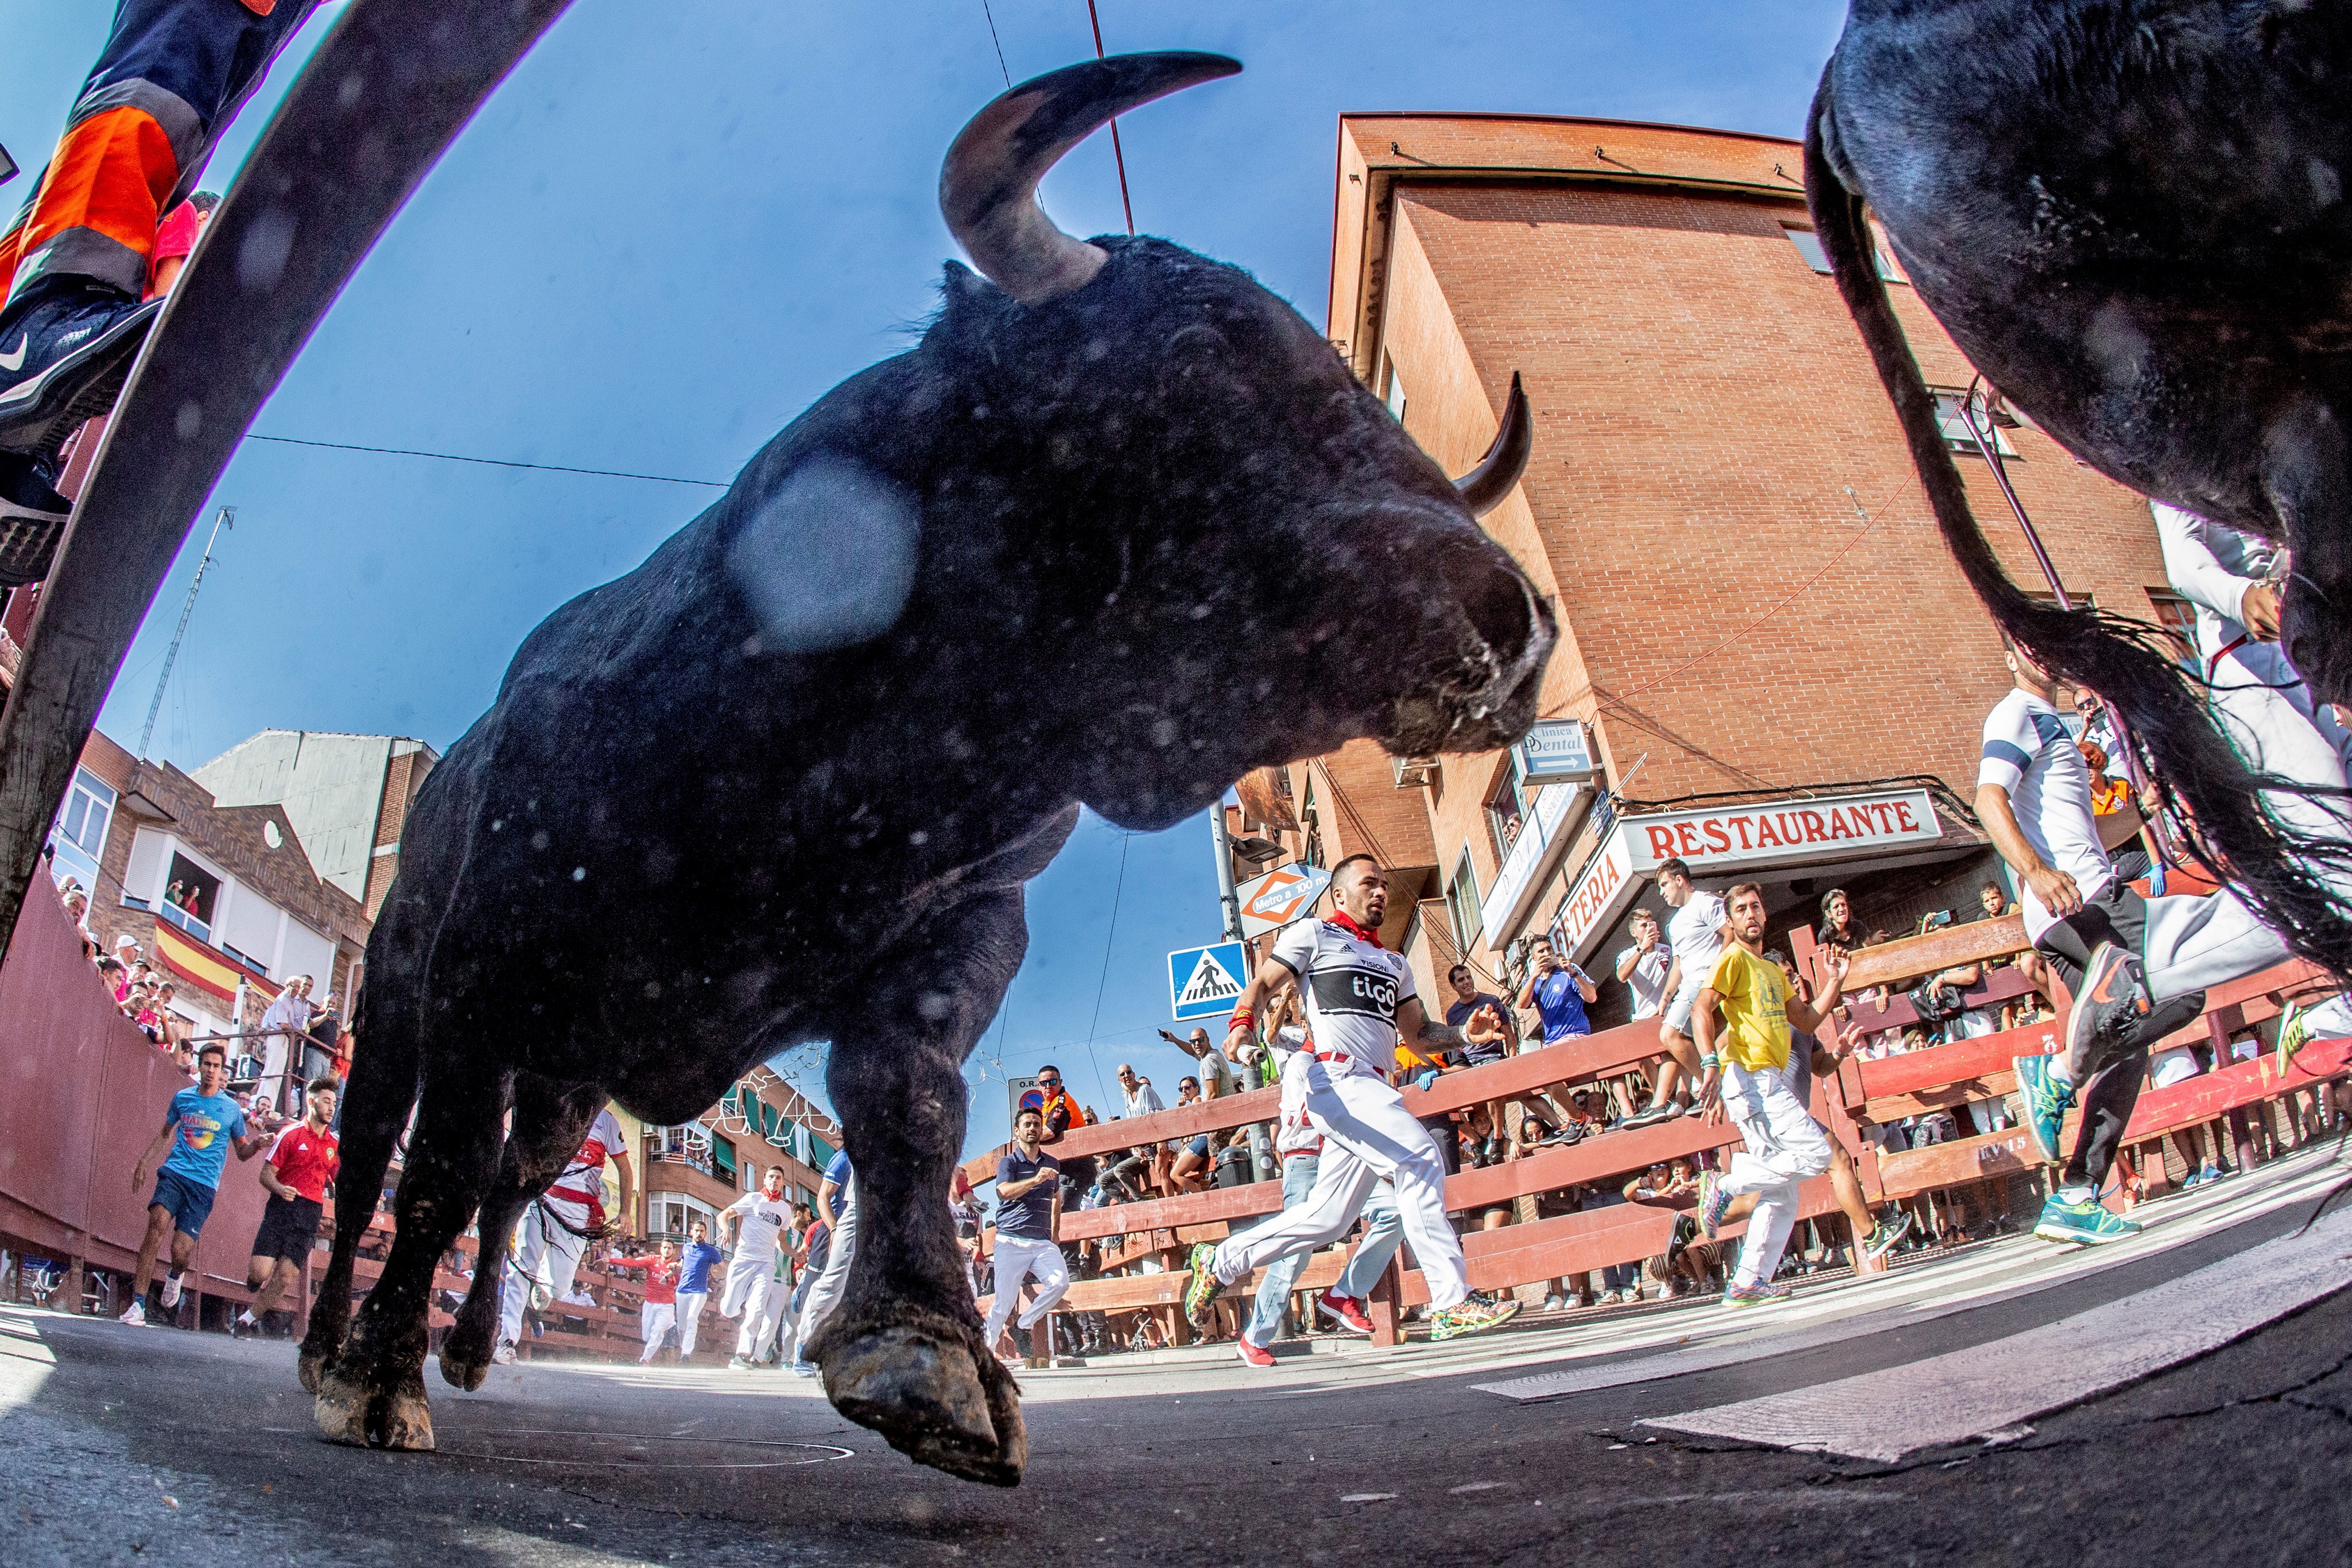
2047,1097
1886,1235
2088,1223
1738,1295
1204,1287
1471,1317
2295,1033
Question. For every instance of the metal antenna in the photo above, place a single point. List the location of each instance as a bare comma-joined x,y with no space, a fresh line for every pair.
226,519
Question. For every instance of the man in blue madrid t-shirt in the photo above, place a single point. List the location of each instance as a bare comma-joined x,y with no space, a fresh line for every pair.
200,1127
1557,992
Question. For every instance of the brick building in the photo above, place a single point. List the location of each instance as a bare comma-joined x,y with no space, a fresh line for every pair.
694,1171
348,796
1768,662
250,910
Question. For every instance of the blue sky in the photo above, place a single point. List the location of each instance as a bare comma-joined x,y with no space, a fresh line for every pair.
676,226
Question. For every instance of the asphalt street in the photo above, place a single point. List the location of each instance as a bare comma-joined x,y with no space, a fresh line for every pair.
130,1445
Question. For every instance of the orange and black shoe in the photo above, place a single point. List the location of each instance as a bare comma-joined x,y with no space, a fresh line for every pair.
67,345
2111,993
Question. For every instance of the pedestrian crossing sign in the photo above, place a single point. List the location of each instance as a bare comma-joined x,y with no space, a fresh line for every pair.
1206,982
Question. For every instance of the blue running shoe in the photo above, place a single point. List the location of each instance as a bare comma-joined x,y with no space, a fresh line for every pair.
2088,1223
2046,1098
1738,1295
1712,1201
66,348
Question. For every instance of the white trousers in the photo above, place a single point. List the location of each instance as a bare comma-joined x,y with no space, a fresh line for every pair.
1367,1134
2267,711
834,1283
690,1318
655,1320
750,1280
542,1242
1018,1259
1783,1146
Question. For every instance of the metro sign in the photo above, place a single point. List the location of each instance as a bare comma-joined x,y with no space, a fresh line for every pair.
1281,896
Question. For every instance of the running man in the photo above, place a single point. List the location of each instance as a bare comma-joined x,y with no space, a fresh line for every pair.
558,1226
201,1125
659,1314
1028,1218
76,261
752,1224
694,1285
837,1204
2261,699
2137,968
1744,1068
301,1163
1696,934
1359,1006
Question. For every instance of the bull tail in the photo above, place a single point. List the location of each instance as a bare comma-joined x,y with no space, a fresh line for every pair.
2269,863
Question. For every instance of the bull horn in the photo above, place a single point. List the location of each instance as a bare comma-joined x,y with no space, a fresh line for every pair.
988,185
1481,490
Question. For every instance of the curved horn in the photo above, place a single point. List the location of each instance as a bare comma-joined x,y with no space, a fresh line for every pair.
987,185
1483,488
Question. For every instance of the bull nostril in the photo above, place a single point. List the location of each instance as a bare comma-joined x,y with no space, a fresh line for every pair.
1496,600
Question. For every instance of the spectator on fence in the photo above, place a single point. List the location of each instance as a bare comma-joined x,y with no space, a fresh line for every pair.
1837,928
1993,899
1480,1148
288,1015
1559,992
200,1127
301,1163
658,1316
1143,1099
1485,1020
1189,1173
695,1264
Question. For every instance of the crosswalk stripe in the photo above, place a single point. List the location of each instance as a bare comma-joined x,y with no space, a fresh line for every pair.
1704,1339
1969,1393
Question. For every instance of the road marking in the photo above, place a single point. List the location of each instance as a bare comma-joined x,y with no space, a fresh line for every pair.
1713,1338
1967,1393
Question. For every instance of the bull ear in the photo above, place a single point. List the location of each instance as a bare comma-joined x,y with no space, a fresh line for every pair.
987,185
1483,488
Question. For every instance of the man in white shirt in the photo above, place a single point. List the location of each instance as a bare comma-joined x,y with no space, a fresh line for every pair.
557,1228
2137,968
752,1223
1644,966
1359,1003
1695,935
289,1014
2261,699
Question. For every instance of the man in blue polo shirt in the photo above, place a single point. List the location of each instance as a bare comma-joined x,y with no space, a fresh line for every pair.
694,1285
1028,1209
202,1124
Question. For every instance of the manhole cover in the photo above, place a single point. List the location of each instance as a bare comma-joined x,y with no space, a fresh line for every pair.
634,1450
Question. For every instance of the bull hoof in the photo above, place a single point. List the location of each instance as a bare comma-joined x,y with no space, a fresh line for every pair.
408,1422
933,1400
461,1369
342,1408
312,1369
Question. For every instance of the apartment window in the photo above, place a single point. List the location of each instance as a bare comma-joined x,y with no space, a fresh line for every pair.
1809,245
1956,430
80,834
191,898
1462,902
2177,616
1394,398
1507,808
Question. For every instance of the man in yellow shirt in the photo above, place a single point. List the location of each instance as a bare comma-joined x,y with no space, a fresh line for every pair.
1744,1064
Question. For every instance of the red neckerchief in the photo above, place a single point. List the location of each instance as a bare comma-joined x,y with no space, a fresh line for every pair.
1342,918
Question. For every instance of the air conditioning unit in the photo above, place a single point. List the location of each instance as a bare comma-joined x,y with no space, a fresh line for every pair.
1412,772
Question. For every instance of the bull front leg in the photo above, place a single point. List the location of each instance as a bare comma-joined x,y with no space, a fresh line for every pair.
902,1353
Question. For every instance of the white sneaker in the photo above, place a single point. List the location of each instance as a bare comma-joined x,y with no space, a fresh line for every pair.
135,1315
504,1354
171,1291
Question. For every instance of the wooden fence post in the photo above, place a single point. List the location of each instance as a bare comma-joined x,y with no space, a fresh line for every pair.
1383,1308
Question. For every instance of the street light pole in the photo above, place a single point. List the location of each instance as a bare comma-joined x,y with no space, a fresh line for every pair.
1228,901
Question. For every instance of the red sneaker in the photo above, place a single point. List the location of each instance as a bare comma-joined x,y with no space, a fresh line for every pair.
1252,1355
1345,1310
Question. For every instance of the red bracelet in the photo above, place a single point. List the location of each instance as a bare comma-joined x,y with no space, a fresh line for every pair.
1243,1019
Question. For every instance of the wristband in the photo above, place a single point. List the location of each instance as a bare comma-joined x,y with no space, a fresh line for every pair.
1243,1019
1709,1063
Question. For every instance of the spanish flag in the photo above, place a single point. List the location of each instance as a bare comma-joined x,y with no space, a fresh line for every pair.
209,971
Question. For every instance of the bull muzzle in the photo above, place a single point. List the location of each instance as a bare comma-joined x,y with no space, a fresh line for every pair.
1484,696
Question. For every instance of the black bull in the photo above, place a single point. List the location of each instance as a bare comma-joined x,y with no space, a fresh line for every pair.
1120,528
2131,216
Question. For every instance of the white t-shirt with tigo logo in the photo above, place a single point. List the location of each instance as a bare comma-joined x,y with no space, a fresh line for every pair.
1352,990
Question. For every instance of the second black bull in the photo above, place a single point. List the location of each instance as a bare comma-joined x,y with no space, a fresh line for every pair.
1120,528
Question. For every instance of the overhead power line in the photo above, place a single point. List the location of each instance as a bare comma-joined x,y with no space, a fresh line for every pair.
997,41
489,462
1119,154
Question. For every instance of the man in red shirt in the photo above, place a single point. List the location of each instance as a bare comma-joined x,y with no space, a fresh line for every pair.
301,1164
660,1312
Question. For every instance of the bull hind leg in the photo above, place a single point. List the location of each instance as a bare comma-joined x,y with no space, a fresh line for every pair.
375,1394
548,1128
903,1352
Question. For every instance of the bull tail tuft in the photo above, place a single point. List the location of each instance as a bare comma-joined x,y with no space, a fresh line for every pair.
2272,865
